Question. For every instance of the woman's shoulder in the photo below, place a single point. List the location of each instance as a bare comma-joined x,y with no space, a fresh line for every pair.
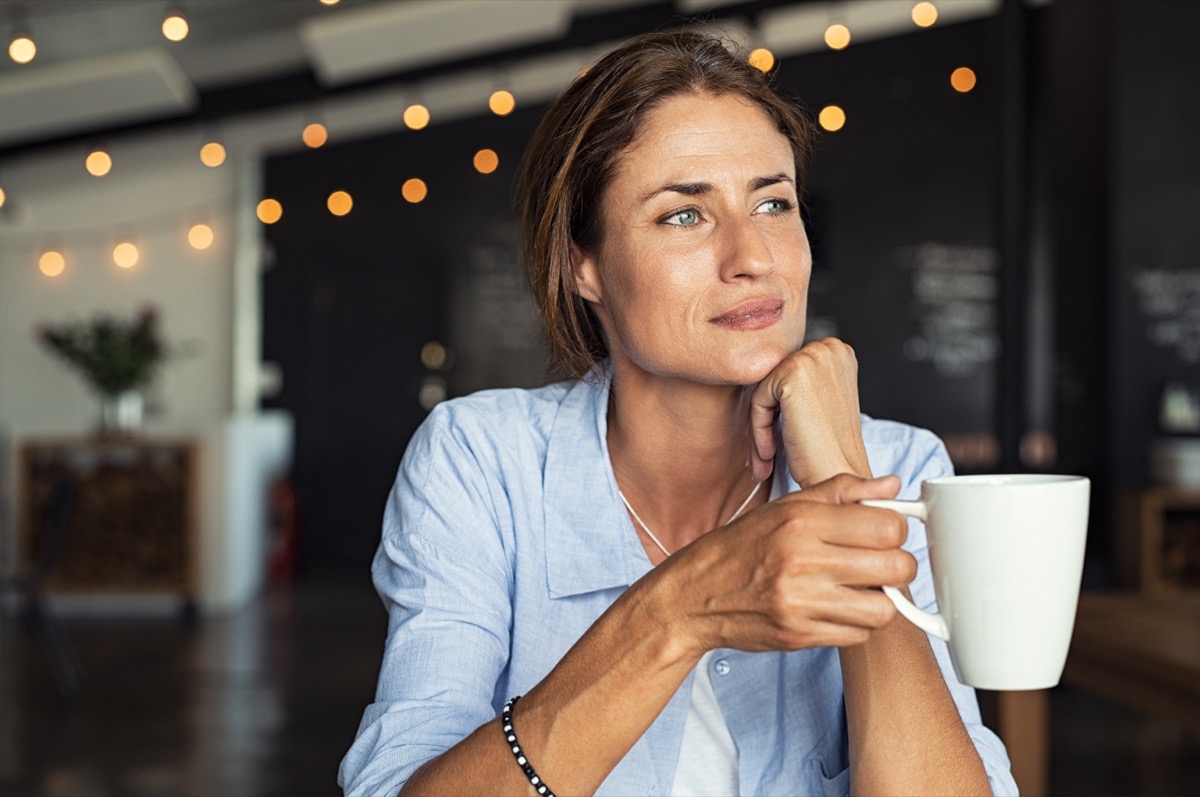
498,415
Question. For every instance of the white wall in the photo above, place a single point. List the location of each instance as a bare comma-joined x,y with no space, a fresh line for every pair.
153,194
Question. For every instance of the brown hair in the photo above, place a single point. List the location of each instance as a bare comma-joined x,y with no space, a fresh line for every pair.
573,153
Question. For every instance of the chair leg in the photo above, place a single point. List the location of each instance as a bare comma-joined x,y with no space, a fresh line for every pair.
62,657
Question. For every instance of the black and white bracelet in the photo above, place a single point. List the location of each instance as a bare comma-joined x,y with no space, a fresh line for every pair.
518,753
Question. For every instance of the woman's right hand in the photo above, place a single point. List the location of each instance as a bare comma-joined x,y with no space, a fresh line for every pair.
794,573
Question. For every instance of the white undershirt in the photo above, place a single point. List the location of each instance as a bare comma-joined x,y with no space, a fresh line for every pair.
708,758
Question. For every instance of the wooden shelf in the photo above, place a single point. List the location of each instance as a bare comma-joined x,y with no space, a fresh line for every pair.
1158,544
129,508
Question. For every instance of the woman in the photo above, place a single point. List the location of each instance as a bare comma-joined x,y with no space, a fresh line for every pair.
603,547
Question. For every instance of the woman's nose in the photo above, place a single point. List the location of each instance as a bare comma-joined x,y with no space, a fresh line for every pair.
746,251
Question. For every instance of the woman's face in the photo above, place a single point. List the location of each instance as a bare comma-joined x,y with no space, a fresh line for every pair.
703,265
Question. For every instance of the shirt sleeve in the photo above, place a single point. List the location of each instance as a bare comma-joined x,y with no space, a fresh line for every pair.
442,571
991,750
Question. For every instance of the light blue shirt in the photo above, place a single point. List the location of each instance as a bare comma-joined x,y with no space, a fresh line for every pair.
504,539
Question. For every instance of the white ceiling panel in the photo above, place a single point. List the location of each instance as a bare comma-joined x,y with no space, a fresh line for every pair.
70,97
389,37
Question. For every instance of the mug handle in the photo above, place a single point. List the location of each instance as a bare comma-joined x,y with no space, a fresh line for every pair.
929,622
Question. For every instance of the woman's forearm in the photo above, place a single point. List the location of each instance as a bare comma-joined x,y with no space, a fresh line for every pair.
578,723
906,735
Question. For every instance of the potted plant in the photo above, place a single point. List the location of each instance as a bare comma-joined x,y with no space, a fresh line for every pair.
117,357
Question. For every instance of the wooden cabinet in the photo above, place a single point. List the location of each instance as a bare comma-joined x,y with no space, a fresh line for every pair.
110,515
1158,546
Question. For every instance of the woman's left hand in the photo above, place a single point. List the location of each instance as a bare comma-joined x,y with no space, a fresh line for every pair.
815,390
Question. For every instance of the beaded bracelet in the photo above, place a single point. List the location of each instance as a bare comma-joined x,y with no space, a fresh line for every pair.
511,736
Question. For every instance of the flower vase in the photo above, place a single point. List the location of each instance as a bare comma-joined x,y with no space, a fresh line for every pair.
121,413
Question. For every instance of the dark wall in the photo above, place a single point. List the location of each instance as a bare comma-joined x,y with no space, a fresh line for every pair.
1154,223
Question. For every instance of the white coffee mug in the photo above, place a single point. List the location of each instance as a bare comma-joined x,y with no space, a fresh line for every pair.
1007,557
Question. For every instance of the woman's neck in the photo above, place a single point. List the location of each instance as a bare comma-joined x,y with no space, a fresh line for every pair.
679,451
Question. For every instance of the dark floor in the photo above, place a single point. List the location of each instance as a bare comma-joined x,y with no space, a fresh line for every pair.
265,702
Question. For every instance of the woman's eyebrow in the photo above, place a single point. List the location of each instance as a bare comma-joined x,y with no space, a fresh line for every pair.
696,189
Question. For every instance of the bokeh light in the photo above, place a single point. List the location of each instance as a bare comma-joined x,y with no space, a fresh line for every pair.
99,163
837,36
2,197
175,27
761,59
22,49
212,154
125,254
832,118
924,14
52,263
486,161
339,203
200,236
414,190
502,102
962,79
416,116
314,135
269,211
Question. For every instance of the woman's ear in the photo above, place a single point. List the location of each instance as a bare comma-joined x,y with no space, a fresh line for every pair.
587,275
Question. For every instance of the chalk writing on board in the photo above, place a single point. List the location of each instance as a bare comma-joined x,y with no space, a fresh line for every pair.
1170,302
954,290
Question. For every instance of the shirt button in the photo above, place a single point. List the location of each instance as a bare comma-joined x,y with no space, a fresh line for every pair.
721,666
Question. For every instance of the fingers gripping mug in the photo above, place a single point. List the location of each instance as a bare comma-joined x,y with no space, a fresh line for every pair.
1007,557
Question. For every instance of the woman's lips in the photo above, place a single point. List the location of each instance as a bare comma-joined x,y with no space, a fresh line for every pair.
754,314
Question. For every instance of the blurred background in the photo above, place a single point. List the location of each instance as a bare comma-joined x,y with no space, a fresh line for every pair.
246,245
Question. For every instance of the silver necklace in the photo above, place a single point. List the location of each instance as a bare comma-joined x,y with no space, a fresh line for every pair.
662,547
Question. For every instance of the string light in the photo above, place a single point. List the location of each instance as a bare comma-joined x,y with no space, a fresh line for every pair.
924,14
22,49
502,102
52,263
200,236
416,116
329,2
212,154
832,118
837,36
175,25
414,190
339,203
314,135
99,163
269,211
125,254
761,59
486,161
962,79
2,197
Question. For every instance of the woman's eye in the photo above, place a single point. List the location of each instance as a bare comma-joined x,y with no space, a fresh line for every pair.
777,206
683,218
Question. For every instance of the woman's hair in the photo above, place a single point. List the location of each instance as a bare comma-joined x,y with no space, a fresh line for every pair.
573,154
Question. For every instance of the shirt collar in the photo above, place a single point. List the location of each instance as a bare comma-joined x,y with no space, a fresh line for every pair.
590,541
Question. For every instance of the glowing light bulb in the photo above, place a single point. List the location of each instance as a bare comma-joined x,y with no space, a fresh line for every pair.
175,26
125,255
22,49
52,263
832,118
486,161
315,135
212,154
339,203
761,59
2,197
962,79
414,190
99,163
416,116
502,102
269,211
924,14
837,36
200,236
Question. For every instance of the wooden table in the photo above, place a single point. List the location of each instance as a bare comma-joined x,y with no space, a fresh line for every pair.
1139,650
